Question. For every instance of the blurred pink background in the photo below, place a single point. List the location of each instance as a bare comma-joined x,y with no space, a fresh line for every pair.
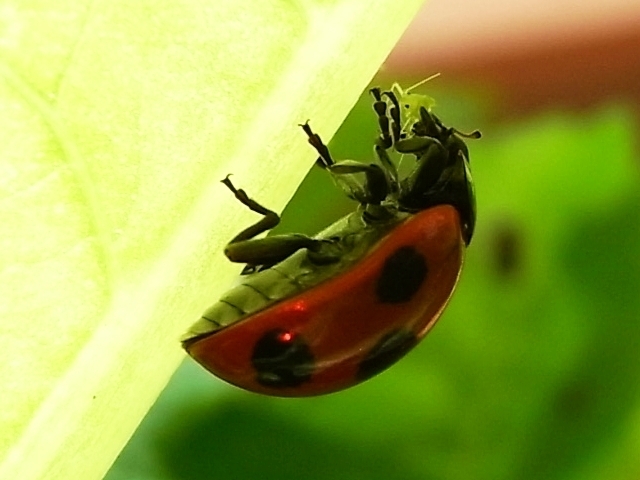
532,55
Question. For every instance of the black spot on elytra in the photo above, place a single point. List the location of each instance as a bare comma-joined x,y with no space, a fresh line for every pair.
282,359
401,276
391,348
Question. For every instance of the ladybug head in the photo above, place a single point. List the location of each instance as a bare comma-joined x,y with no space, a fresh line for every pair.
442,173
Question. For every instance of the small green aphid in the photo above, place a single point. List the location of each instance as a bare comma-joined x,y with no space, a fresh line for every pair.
412,102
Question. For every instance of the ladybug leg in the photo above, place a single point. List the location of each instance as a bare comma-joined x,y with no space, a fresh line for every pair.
372,190
261,252
388,166
270,220
390,131
418,145
380,107
430,163
394,112
324,160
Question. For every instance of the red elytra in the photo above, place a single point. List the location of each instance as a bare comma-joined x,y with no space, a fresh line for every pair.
342,324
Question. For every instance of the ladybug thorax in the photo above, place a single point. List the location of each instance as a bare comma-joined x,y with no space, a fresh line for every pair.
346,242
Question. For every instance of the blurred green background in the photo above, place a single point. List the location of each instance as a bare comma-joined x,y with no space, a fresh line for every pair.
531,373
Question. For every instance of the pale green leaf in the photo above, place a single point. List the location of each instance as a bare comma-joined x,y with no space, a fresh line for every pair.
118,119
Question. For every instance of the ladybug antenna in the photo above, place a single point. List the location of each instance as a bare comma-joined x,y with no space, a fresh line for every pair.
473,135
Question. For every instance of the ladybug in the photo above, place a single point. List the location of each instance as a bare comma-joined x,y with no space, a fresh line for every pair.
314,315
